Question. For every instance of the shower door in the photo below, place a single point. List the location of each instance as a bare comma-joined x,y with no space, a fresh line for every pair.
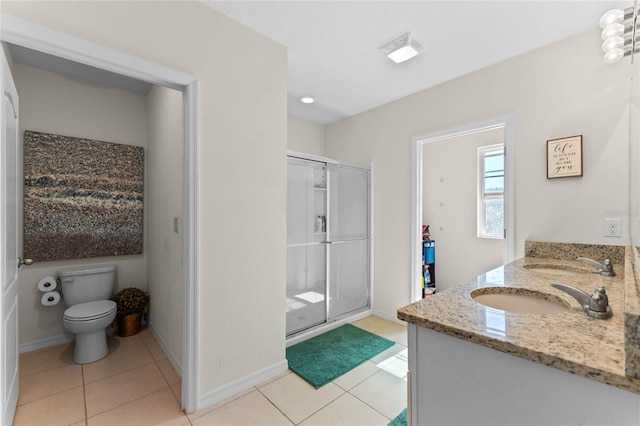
348,239
306,244
328,242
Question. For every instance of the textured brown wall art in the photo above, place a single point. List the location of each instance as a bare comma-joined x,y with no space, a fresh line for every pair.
82,198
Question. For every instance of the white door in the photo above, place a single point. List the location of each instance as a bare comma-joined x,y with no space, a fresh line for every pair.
9,245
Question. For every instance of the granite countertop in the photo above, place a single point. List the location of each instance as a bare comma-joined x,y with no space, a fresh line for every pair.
569,341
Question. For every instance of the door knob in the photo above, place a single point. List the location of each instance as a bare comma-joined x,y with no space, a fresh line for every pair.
26,262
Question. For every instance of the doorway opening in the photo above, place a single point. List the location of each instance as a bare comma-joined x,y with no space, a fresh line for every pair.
502,125
46,41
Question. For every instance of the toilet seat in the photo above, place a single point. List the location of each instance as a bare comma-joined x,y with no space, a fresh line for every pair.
90,311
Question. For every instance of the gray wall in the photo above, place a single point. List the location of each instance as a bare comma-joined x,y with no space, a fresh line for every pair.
449,201
242,134
164,203
52,103
560,90
305,136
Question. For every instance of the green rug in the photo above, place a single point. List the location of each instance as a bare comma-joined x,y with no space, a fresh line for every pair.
323,358
400,420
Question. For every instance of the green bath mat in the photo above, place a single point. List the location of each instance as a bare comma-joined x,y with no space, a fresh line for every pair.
323,358
400,420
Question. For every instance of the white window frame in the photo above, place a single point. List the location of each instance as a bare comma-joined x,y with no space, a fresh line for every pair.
483,152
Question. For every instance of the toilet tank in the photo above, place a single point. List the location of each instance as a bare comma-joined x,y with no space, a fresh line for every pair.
87,284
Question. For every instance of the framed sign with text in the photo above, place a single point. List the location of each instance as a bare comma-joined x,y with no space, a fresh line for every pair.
564,157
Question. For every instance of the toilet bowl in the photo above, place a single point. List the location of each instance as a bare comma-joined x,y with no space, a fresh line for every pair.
88,322
87,293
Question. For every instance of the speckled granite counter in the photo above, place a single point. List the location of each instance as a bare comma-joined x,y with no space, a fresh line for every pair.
632,314
569,341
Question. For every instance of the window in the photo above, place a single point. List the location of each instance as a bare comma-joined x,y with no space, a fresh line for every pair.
491,191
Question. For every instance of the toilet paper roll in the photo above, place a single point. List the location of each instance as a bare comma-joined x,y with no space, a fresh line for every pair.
50,298
48,283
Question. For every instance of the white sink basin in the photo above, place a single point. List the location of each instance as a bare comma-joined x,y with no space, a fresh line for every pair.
521,301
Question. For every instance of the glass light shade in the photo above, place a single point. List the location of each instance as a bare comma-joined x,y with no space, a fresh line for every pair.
612,30
403,54
610,17
613,56
612,43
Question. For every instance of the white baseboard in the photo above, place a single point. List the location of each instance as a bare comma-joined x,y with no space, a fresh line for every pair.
174,360
46,343
230,389
386,316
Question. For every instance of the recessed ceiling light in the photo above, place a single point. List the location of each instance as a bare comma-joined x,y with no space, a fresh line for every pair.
402,48
307,99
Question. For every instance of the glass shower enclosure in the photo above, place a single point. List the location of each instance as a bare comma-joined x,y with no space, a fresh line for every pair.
328,242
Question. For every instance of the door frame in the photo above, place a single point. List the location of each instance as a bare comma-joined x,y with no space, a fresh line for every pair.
36,37
507,123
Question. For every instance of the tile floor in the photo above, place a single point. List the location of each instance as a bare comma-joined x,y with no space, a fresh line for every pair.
136,385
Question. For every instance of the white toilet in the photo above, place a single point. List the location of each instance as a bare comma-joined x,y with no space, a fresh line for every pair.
87,293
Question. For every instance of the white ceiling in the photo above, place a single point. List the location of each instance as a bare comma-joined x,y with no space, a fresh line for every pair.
333,45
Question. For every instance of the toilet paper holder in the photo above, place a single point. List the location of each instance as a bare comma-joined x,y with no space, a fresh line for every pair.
48,287
51,298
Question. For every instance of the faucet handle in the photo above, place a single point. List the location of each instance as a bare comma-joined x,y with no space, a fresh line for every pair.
605,268
595,306
599,300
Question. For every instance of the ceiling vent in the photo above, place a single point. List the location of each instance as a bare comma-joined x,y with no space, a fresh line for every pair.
402,48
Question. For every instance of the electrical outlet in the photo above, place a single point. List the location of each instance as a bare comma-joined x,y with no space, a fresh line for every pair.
613,227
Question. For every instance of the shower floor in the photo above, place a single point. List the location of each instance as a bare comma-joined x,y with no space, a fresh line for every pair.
307,308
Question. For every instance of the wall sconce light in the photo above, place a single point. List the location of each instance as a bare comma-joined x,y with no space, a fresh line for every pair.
620,34
402,48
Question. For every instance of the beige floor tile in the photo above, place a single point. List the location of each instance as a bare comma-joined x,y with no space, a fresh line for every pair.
64,408
128,384
146,334
347,411
297,399
46,359
121,358
398,364
177,392
117,343
357,375
48,383
168,372
251,409
159,408
392,352
395,332
110,392
156,350
273,379
384,392
372,323
212,407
